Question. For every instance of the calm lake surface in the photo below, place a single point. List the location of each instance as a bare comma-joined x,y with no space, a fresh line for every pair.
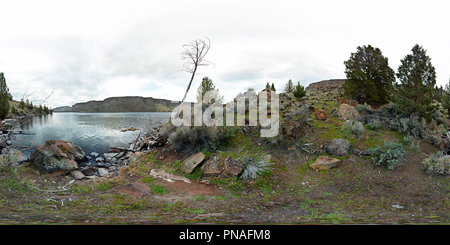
91,131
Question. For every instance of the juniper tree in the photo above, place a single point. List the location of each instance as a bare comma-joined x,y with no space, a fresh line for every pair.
369,77
4,97
418,78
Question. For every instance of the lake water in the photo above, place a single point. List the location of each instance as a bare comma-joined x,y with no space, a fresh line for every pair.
91,131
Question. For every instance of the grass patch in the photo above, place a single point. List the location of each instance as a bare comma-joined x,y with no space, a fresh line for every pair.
159,189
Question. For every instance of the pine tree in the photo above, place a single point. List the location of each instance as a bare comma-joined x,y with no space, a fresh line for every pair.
4,97
208,86
446,97
299,91
418,78
289,86
267,85
273,88
369,77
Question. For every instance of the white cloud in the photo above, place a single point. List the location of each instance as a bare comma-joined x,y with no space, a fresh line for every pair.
91,50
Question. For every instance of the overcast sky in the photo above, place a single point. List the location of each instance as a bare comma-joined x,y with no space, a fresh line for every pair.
91,50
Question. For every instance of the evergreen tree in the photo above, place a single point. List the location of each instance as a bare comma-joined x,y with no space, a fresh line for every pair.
267,85
289,86
369,77
22,104
4,97
273,88
299,91
446,97
208,86
418,78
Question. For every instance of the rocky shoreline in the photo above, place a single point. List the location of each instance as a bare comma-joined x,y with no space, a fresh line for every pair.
60,157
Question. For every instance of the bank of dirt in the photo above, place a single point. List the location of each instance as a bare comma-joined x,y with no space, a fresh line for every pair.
354,192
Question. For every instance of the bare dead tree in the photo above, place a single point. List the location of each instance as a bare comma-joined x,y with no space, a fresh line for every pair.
195,53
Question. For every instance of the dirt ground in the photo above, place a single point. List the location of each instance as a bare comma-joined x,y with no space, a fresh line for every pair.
354,192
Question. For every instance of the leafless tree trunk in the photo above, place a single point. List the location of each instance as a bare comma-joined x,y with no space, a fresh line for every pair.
194,53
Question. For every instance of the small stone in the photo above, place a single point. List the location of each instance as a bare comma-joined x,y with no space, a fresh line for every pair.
102,172
99,159
93,154
76,174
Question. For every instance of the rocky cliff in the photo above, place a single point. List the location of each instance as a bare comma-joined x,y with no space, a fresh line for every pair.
126,104
332,83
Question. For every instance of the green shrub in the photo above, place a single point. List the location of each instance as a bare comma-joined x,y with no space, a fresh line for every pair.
406,140
387,156
408,125
437,164
355,127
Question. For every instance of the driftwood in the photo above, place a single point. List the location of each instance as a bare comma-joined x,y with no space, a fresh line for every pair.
135,141
122,149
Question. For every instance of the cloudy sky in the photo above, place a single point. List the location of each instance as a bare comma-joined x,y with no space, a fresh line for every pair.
91,50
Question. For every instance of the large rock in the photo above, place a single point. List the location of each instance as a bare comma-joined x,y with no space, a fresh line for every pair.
294,128
231,167
324,162
347,112
212,166
191,162
57,157
321,115
338,147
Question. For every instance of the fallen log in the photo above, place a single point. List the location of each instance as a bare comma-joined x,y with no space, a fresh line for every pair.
122,149
135,140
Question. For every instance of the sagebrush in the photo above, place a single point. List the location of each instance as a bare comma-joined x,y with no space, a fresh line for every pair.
437,164
387,156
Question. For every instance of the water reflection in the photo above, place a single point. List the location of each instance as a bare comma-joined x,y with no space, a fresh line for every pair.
91,131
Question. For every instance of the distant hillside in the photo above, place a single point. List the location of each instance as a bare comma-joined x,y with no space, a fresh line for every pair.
63,109
122,104
335,83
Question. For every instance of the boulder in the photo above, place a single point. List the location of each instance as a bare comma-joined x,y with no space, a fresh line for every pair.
89,171
294,128
338,147
231,167
93,154
324,162
191,162
321,115
212,166
57,157
347,112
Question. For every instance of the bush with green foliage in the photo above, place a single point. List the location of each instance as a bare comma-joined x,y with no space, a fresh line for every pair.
437,164
374,125
387,156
